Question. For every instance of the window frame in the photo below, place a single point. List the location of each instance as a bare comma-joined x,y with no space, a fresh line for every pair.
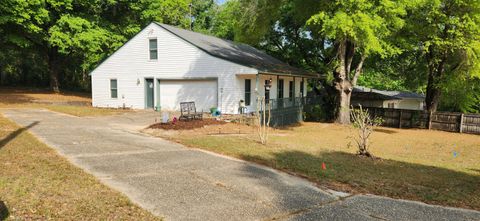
248,93
290,89
267,92
150,49
112,89
302,88
281,88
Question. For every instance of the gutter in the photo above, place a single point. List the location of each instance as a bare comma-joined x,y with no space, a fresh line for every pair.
290,74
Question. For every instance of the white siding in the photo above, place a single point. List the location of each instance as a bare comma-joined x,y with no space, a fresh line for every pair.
177,59
409,104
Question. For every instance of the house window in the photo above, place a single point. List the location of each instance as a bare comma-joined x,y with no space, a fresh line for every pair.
113,88
301,88
290,89
267,92
248,91
153,49
391,105
280,88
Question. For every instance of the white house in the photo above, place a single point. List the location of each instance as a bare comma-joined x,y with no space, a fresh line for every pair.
162,66
368,97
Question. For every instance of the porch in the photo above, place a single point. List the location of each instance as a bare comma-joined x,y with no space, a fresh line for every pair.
286,96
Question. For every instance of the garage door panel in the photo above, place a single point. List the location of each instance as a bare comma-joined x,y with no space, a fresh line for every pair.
203,93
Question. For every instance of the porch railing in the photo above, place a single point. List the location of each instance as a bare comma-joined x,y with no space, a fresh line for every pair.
288,102
285,111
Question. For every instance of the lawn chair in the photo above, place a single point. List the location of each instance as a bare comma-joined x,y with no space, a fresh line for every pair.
193,110
188,111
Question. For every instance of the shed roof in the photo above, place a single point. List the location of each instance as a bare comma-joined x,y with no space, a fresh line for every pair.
239,53
373,94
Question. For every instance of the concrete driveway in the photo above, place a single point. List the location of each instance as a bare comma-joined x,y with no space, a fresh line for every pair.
180,183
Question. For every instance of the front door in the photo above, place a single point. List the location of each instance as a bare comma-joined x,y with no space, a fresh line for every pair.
149,94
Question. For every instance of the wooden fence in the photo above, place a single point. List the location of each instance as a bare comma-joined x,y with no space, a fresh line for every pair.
446,121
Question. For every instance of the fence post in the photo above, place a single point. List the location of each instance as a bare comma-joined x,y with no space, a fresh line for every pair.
430,120
400,119
460,129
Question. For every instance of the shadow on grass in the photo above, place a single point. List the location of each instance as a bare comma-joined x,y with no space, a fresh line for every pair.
289,127
384,130
349,172
14,134
3,211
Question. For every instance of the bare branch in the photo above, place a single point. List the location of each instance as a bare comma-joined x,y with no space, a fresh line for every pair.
358,70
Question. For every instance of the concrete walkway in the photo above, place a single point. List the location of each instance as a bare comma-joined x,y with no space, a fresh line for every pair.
179,183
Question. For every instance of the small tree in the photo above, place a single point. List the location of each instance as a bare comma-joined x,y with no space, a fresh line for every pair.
364,123
263,118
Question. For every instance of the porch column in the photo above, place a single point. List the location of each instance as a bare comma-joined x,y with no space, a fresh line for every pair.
257,83
302,89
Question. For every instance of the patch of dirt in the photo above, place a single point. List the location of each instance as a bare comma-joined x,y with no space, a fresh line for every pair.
187,125
211,127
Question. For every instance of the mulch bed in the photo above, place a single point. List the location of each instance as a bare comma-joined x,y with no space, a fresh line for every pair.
186,125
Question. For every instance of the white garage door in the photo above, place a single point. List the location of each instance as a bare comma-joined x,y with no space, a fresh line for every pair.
202,92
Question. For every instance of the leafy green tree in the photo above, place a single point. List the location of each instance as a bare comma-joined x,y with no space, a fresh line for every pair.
447,32
225,20
77,37
461,94
173,12
19,31
203,13
403,72
66,38
355,30
293,41
55,31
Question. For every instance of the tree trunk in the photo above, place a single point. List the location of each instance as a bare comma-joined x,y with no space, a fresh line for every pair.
342,85
343,102
433,94
435,74
53,68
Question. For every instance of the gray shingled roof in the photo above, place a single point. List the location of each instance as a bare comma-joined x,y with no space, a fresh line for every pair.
388,95
237,53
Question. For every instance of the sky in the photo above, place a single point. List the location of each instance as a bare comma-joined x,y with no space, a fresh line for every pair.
220,1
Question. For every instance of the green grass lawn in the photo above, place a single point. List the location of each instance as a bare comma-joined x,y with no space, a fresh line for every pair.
415,164
38,184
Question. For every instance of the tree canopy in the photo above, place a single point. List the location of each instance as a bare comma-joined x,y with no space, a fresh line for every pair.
426,46
65,40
